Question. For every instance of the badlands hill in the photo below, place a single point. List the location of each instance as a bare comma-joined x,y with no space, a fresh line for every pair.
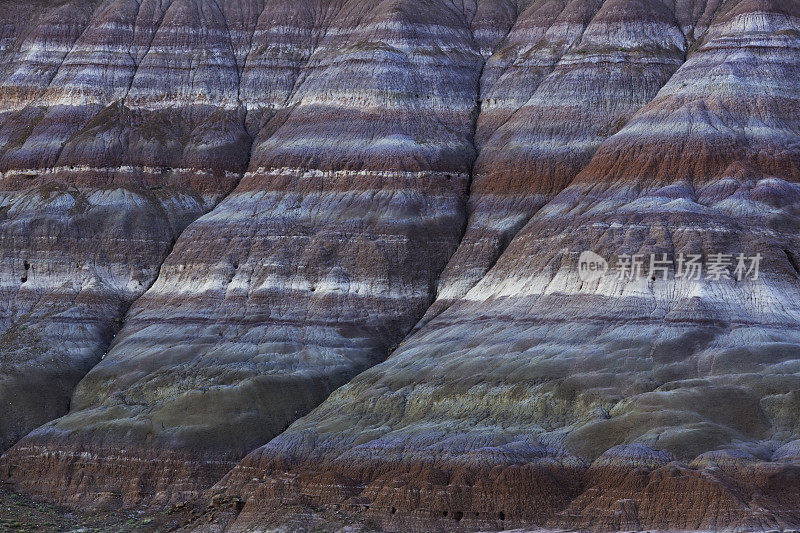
325,252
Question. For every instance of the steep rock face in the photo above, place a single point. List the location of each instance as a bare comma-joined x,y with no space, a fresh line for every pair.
526,396
119,124
510,408
309,272
570,75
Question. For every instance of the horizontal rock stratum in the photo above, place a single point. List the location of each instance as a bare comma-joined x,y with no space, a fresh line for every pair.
324,253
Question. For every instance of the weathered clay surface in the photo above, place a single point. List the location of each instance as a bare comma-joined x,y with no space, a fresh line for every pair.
505,409
96,184
311,270
568,76
404,162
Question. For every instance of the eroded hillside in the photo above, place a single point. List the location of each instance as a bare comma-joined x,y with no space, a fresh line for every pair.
213,215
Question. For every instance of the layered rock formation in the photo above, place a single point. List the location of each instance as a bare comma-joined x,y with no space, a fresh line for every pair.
614,403
568,76
319,262
400,161
101,171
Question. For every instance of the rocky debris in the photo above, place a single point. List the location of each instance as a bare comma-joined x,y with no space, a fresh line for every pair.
19,514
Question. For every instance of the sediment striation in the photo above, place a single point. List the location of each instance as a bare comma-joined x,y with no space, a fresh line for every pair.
540,398
321,258
324,252
101,171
